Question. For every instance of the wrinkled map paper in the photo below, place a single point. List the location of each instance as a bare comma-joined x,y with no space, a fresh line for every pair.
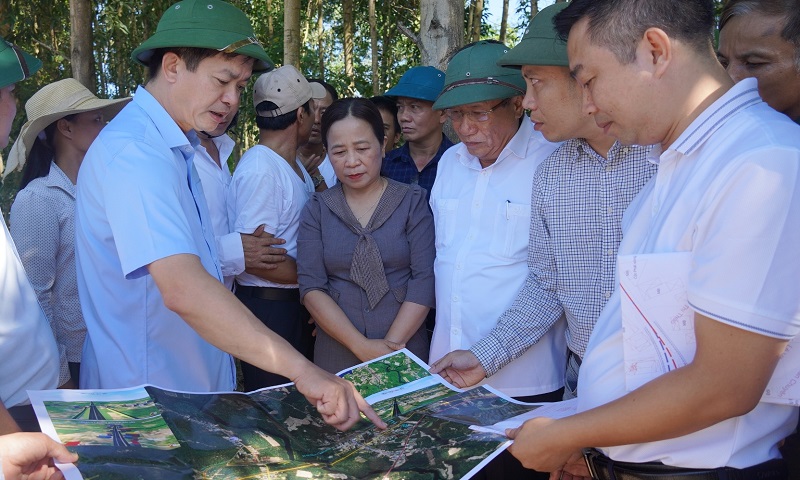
150,433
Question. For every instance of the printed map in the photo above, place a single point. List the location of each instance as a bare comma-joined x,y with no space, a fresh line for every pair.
151,433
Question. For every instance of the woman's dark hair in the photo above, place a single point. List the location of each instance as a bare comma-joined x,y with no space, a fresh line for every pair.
42,152
360,108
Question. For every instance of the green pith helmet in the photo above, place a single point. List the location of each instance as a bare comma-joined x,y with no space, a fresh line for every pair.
540,45
211,24
474,76
15,64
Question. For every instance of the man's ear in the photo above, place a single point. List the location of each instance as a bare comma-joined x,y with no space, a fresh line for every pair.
656,49
171,63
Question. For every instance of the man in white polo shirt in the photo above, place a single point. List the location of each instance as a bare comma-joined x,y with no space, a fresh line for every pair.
727,195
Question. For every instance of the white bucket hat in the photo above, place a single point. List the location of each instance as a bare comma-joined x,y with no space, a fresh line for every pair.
53,102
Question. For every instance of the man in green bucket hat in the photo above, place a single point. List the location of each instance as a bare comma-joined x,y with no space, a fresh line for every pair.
481,202
589,170
149,276
27,345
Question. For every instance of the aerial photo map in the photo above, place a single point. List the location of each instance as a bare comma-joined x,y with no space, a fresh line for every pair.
150,433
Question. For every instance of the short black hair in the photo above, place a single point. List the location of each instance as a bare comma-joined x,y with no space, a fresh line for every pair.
281,122
618,25
331,91
386,103
190,55
360,108
787,9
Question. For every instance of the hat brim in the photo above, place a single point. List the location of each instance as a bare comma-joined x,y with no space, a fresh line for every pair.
467,94
214,40
30,130
536,51
10,69
418,92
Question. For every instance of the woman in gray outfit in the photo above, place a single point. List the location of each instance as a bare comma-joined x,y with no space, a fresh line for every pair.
365,248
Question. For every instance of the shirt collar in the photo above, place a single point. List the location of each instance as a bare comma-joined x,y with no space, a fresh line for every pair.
169,130
741,96
57,178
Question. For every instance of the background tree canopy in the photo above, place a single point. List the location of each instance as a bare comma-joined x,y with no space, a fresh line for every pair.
359,46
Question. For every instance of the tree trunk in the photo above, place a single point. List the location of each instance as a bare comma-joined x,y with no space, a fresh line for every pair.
442,31
504,22
291,33
349,71
270,26
81,56
477,21
373,38
320,39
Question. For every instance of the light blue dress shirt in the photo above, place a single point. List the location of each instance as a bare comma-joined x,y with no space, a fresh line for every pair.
140,200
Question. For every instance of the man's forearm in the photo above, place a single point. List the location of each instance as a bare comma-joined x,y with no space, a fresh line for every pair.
210,309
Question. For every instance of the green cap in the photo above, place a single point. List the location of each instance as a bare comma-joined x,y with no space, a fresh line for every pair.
15,64
211,24
474,76
423,83
540,45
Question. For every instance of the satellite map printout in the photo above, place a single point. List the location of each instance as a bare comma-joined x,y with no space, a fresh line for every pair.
150,433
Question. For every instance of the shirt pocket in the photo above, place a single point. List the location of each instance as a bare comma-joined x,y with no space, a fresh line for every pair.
444,217
512,229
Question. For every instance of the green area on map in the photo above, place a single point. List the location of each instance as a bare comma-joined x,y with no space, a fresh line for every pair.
276,433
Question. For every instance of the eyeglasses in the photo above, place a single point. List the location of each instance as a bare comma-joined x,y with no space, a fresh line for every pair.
457,116
241,43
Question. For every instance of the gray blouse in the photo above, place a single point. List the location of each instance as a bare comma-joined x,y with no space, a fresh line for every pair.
332,247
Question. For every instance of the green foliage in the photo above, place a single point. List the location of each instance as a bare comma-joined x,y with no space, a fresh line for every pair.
119,26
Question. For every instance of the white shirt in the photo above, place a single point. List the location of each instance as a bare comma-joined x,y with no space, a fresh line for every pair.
140,200
482,219
728,192
27,345
215,179
326,170
266,190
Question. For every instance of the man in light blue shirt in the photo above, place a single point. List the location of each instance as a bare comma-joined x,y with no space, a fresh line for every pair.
148,272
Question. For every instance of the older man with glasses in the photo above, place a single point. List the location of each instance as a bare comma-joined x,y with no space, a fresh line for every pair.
481,203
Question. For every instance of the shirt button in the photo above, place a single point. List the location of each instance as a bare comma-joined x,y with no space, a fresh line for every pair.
458,266
611,251
610,209
456,298
607,295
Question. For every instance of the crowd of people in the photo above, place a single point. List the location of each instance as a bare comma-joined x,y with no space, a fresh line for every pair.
134,255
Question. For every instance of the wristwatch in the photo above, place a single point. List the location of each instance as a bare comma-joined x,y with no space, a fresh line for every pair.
317,179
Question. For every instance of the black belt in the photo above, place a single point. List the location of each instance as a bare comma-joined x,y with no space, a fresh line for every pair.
603,468
269,293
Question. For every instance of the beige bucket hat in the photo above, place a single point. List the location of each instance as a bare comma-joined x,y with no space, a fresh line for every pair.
53,102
